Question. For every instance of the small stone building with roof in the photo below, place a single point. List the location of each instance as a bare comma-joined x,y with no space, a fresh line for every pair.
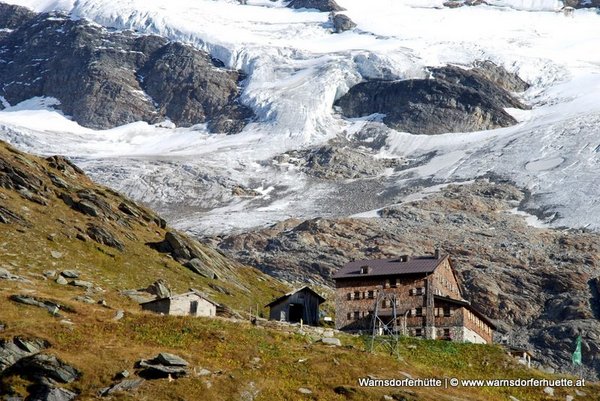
192,303
428,299
302,304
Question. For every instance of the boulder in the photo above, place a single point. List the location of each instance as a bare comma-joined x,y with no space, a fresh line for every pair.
81,283
56,254
11,351
198,267
103,236
47,392
163,365
125,385
321,5
69,273
342,23
43,366
61,280
52,306
6,275
454,100
178,245
165,358
160,288
331,341
87,207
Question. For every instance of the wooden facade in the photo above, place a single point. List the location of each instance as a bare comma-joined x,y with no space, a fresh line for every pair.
191,303
302,304
429,301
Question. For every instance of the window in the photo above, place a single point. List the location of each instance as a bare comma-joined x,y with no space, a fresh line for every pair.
387,283
419,291
371,294
356,315
447,312
419,312
356,294
447,333
418,332
349,296
349,316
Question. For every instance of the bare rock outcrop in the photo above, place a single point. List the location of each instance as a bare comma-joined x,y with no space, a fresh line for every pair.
454,100
105,78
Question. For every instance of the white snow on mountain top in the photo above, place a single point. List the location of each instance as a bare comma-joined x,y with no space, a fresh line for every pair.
296,69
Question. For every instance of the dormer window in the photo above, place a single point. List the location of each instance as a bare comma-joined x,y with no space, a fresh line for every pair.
365,269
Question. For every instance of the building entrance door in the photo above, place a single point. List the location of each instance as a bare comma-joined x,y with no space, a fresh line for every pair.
296,312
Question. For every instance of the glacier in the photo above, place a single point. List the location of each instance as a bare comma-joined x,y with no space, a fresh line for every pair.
296,68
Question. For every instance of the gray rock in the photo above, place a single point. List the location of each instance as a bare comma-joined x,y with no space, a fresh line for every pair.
70,274
160,288
178,245
165,358
198,267
203,372
51,393
148,79
40,366
87,207
53,307
549,391
455,100
104,236
321,5
61,280
6,275
342,23
304,390
332,341
49,273
122,375
125,385
150,370
85,299
81,283
119,315
56,254
11,351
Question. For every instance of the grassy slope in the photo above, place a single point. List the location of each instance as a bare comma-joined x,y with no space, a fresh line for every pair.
100,347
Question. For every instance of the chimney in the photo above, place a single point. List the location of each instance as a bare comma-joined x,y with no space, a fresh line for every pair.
404,258
436,254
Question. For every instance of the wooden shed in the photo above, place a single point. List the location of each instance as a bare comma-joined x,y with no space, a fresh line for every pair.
192,303
302,304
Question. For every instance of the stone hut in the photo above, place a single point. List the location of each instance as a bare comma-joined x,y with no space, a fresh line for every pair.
192,303
427,297
302,304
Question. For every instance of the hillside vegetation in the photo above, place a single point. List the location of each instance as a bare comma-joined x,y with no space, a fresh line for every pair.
53,218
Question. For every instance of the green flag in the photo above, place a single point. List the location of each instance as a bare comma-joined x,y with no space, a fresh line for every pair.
577,354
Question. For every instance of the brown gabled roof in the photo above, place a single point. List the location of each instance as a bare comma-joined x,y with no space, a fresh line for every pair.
289,294
390,267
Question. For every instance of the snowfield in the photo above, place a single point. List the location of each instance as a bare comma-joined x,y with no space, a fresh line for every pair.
297,68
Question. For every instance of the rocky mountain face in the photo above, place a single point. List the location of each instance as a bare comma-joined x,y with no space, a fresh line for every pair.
454,99
105,78
539,285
